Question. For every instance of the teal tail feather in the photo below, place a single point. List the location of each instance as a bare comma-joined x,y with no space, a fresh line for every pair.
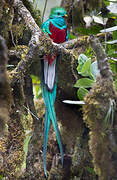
46,131
49,100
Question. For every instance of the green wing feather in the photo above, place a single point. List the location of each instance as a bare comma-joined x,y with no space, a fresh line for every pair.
45,27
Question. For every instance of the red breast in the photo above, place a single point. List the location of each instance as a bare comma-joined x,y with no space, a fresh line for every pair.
58,35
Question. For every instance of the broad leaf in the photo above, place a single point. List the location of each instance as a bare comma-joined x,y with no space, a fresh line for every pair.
84,82
81,60
86,69
94,69
81,93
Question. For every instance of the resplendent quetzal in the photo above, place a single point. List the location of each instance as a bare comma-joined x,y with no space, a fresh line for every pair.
55,27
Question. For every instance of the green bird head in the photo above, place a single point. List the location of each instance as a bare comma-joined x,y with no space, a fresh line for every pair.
57,12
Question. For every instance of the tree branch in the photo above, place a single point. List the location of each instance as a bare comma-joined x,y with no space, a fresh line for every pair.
5,93
39,44
102,59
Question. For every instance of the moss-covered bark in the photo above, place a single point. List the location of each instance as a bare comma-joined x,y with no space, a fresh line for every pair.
100,116
5,92
6,18
5,102
102,134
76,155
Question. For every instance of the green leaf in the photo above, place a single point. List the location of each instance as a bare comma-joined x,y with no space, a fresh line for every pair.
89,52
36,91
35,79
84,82
81,93
113,65
81,60
90,170
36,86
94,69
110,51
71,36
86,69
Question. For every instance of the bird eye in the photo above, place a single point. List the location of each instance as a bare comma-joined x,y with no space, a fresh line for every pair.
58,13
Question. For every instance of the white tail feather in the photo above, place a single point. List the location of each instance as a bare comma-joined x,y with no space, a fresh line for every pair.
49,74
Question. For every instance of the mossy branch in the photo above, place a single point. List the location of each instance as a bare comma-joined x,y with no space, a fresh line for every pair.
28,91
39,44
102,59
99,113
74,43
5,93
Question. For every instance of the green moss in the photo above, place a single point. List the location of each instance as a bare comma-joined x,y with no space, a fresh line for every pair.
18,30
95,110
81,160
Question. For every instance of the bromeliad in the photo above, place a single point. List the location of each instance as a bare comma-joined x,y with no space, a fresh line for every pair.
55,27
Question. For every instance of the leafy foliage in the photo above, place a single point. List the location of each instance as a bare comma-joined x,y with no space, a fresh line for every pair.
90,170
1,176
71,36
81,93
95,29
81,60
89,71
84,82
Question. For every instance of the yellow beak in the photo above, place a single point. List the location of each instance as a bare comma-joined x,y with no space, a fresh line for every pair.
66,15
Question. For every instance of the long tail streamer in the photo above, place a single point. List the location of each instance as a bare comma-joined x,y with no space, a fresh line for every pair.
49,100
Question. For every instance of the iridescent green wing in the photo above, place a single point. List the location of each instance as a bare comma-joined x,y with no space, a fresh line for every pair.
45,27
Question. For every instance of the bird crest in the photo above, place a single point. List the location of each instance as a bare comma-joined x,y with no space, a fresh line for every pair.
57,12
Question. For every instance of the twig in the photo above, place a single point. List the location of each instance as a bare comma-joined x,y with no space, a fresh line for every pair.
44,9
12,38
31,112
